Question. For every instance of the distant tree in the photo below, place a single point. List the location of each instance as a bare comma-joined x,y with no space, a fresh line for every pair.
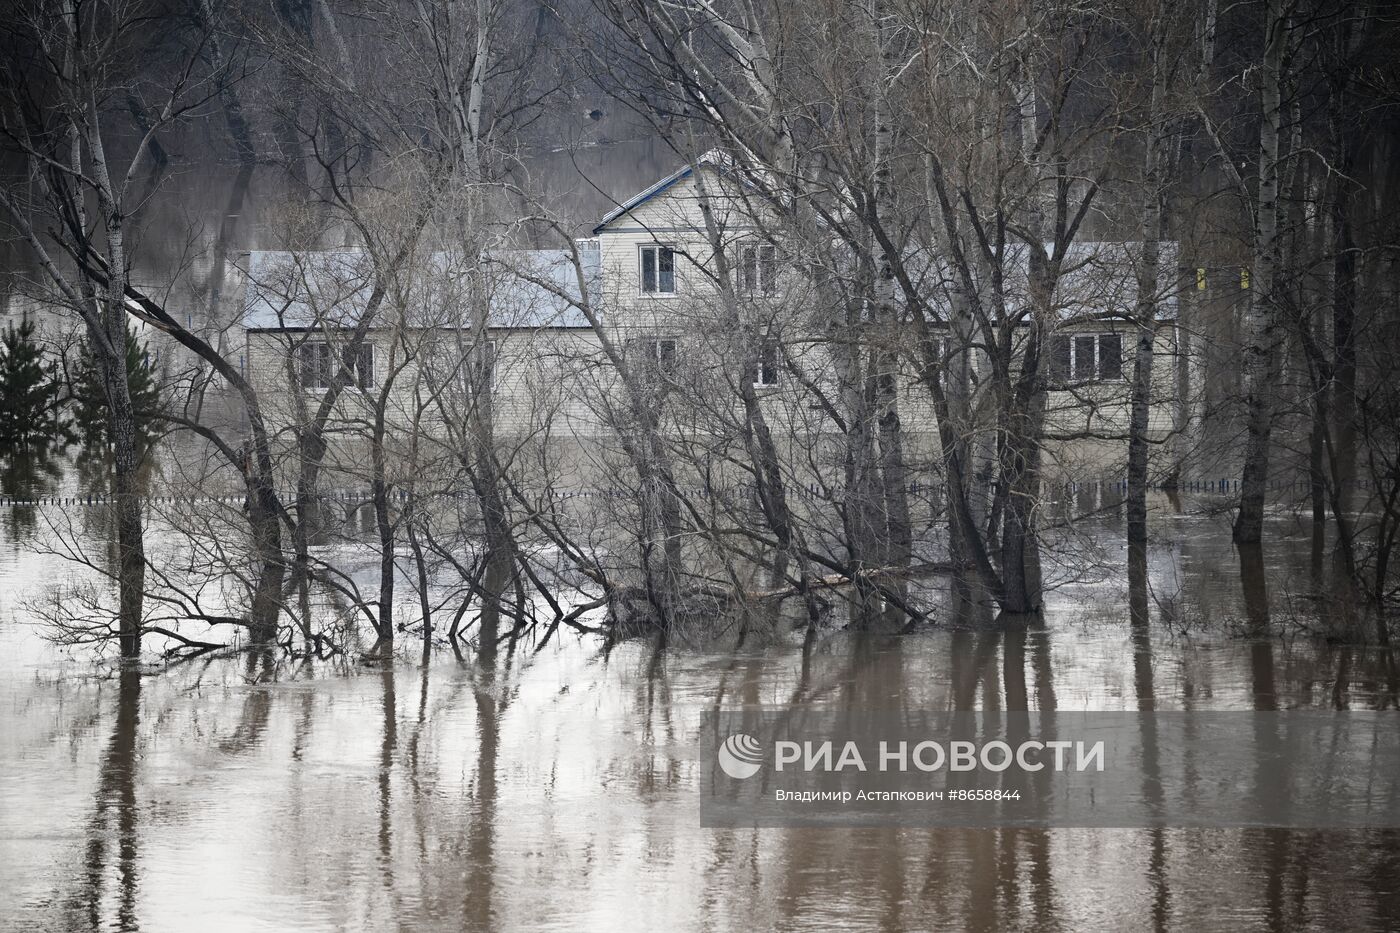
91,418
29,392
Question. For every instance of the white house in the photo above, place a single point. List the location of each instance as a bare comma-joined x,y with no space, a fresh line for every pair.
652,283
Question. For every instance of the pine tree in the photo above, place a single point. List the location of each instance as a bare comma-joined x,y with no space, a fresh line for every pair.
90,397
29,392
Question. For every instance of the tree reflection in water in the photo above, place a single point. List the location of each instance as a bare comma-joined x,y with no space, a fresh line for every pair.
450,795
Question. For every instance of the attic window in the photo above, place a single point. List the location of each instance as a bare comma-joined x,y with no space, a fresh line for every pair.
658,270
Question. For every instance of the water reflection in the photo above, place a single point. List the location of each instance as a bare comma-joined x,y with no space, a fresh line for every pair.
109,884
26,476
478,910
559,789
472,790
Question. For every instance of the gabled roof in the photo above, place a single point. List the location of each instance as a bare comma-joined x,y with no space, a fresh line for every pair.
329,289
714,157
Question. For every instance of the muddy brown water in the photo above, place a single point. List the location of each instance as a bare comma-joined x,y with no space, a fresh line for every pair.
559,790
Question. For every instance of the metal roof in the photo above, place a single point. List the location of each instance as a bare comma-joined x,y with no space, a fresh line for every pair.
1099,281
528,289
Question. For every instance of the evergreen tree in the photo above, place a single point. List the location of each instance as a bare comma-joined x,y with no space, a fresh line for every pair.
90,397
29,392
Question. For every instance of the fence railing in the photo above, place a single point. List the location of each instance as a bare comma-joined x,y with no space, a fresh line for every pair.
810,491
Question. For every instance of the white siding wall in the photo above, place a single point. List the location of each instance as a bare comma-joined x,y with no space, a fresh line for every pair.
555,380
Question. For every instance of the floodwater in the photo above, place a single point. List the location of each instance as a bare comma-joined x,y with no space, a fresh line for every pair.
558,790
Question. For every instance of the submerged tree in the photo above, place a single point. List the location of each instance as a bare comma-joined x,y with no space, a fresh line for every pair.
92,408
30,399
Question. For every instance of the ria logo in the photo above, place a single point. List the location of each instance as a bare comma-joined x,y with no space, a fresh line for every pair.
740,756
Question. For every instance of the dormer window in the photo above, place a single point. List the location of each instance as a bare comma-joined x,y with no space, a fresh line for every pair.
658,270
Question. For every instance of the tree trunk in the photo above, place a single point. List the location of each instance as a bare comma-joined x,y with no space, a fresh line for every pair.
131,554
860,498
1021,453
1153,222
1137,435
108,338
758,437
379,485
1343,394
897,532
1261,354
264,518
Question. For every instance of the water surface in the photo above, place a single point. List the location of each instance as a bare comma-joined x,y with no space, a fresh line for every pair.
558,790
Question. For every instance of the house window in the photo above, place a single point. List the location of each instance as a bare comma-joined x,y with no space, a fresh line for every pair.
658,270
1082,358
758,269
484,367
1061,360
940,349
1110,356
315,361
363,376
319,364
660,355
766,375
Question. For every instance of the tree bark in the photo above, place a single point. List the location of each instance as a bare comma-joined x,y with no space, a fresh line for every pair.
1153,223
1261,352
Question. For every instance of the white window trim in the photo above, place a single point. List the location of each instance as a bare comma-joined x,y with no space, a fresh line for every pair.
653,353
333,359
756,245
1098,357
1072,377
1074,341
493,350
675,271
758,382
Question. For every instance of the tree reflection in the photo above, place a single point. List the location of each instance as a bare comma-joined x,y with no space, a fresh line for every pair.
114,820
478,906
30,475
1145,689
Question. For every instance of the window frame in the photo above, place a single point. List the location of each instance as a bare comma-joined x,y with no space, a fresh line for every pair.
313,365
492,363
1099,358
768,360
328,362
656,249
362,381
653,351
1079,372
763,286
1084,371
